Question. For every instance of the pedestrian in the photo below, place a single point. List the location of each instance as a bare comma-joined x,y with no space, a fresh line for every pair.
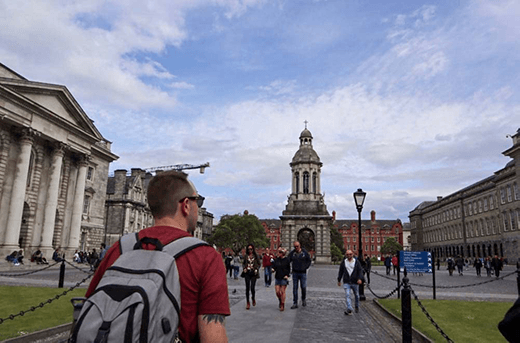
267,262
368,267
451,265
438,263
487,265
57,255
251,266
388,264
301,261
227,262
478,265
13,258
282,270
93,259
459,262
496,264
236,266
395,264
174,204
351,272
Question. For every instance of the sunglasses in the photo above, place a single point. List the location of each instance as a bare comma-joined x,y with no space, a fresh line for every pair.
199,199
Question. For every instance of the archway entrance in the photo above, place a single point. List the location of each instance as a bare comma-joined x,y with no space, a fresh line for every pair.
306,239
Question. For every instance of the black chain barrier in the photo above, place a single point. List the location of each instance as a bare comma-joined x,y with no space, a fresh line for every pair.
31,272
78,268
386,296
469,285
430,318
33,308
384,276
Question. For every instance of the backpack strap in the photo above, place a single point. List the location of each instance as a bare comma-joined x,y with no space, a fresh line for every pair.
183,245
127,242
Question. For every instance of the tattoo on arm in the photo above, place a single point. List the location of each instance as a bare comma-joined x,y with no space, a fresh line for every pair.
217,318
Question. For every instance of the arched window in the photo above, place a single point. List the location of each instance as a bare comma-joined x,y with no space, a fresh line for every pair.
31,167
297,181
305,182
314,182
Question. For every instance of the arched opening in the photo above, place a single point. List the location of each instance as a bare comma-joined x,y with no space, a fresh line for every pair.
314,182
23,238
307,241
297,182
305,182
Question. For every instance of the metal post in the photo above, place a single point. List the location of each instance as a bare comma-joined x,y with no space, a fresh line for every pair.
518,277
62,274
362,296
406,310
433,275
398,275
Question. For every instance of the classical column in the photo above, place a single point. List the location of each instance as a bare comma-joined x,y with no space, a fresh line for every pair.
14,220
52,198
77,207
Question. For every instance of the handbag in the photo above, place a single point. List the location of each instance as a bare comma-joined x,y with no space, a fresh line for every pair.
243,274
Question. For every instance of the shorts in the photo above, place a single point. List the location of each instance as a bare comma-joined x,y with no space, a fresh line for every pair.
281,282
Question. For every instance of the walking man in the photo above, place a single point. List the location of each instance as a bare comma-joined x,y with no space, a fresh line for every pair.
174,204
351,271
301,261
368,267
267,263
388,264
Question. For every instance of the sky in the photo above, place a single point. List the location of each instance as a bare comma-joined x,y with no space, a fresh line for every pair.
408,100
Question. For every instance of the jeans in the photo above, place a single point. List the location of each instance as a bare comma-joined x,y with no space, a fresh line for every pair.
250,285
303,284
236,269
354,287
268,275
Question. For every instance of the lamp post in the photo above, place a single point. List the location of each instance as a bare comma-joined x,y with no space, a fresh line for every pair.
359,198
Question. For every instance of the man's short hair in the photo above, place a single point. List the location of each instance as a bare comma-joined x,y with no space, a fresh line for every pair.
165,190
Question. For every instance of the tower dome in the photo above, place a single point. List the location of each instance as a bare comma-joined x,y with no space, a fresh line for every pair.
306,152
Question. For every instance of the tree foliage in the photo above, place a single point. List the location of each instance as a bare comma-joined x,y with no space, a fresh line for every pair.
238,230
335,253
391,246
337,239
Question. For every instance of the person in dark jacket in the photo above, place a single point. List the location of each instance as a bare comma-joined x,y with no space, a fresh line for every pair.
351,271
459,262
496,264
388,264
282,270
368,267
301,261
251,267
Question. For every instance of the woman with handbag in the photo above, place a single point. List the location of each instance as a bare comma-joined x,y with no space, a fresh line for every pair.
251,266
282,269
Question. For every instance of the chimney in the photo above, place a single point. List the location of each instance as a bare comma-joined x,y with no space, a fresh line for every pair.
373,216
439,198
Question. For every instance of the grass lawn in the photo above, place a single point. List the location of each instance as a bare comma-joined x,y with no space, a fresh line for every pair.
18,298
461,321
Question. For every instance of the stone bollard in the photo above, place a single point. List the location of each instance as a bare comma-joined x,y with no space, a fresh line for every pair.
406,309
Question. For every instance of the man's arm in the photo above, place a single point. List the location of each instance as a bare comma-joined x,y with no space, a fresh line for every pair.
212,328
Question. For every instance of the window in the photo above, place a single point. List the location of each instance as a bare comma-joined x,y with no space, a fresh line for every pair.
372,239
513,221
378,239
502,196
366,247
372,247
90,174
480,206
491,204
504,218
509,195
485,204
354,240
515,188
305,182
348,239
314,183
470,207
86,204
297,182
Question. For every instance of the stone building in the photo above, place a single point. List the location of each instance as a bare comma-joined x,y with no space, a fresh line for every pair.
374,233
53,169
127,206
480,220
305,217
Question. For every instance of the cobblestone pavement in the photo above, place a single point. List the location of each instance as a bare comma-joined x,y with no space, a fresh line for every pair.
322,320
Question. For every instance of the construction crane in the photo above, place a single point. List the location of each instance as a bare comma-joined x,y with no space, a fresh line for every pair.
202,167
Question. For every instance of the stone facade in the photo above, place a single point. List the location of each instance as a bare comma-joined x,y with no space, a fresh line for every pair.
480,220
127,206
53,169
305,217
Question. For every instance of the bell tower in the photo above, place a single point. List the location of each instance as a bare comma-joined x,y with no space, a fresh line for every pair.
306,218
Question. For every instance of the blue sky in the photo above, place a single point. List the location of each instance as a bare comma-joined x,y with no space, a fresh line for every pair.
405,99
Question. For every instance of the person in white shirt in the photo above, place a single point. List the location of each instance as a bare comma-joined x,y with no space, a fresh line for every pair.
351,271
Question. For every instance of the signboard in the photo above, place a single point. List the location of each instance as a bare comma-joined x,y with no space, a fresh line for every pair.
416,261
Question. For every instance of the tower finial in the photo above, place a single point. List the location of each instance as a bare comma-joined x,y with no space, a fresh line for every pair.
305,124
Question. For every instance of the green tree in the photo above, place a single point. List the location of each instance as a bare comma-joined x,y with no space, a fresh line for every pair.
335,253
238,230
337,239
391,246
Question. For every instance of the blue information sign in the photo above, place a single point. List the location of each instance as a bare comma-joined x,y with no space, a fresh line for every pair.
416,261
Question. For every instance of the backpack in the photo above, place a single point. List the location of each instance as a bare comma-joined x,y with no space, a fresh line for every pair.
138,297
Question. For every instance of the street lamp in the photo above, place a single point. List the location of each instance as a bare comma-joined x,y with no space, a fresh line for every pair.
359,198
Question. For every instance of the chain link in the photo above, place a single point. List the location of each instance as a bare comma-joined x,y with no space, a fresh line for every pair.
31,272
33,308
430,318
78,268
469,285
386,296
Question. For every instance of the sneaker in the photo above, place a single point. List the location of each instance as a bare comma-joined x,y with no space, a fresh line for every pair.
304,303
348,312
294,306
357,309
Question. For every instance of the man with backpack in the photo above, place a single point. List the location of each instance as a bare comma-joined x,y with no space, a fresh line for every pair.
204,301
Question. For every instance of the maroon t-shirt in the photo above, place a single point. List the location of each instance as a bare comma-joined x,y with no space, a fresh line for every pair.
202,277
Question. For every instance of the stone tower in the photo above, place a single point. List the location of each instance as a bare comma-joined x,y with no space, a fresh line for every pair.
306,218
